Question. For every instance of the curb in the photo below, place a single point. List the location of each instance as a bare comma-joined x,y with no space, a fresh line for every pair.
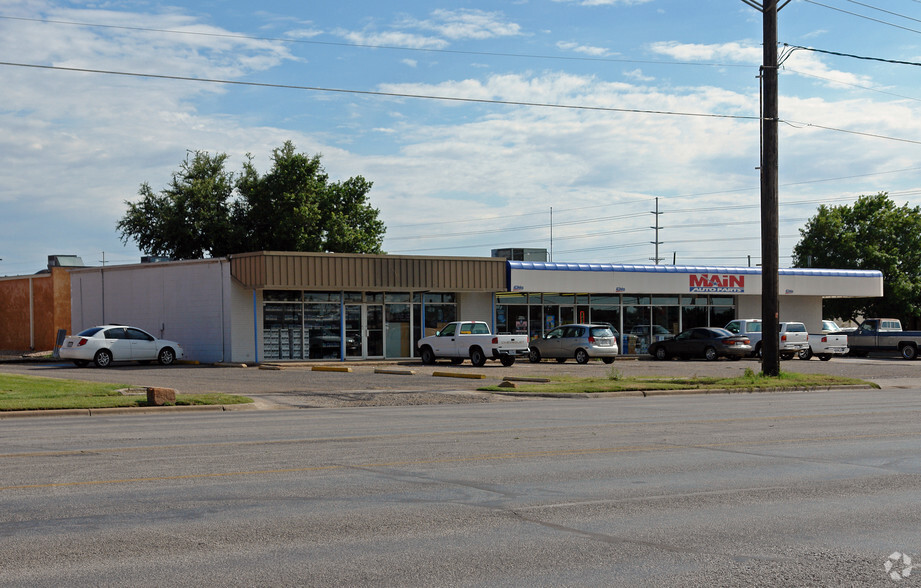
119,410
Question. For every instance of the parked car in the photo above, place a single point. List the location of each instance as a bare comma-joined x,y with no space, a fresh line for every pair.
462,339
109,343
710,343
579,341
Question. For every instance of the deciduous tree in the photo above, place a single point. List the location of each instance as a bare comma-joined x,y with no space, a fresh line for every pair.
294,207
873,234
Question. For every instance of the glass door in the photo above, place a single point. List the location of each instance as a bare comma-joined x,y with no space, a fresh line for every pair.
364,330
374,330
354,332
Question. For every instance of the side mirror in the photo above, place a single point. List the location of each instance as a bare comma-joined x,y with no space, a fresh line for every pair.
438,333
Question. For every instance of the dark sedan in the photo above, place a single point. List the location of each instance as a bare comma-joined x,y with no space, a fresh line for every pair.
709,343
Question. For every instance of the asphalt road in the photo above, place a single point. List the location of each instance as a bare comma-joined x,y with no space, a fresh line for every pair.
791,489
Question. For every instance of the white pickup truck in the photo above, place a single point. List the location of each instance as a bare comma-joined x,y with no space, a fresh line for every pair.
793,336
462,339
832,341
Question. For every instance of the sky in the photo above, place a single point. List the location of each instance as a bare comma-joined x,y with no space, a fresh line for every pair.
556,124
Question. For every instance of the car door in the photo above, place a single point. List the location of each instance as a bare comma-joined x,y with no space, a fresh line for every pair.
444,344
118,344
550,344
571,340
143,345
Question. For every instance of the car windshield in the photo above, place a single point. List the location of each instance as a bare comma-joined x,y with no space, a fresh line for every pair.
601,332
89,332
721,332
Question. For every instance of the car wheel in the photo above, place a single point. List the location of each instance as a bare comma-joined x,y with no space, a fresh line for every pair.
507,360
477,357
825,357
534,355
757,351
103,358
428,356
710,354
908,352
787,356
166,356
582,356
457,360
561,360
661,354
80,362
805,353
607,360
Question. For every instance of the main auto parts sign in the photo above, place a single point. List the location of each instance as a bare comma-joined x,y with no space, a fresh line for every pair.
717,283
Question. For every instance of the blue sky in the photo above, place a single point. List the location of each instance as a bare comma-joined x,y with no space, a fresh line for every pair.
481,171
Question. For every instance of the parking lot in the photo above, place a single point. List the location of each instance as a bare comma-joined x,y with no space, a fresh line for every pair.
299,385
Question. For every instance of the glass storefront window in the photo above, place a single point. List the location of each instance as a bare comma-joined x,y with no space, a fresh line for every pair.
636,300
281,296
558,299
721,315
443,297
398,341
396,297
322,331
694,316
322,297
282,331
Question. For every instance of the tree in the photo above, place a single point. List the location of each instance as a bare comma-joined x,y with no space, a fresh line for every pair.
293,207
189,218
873,234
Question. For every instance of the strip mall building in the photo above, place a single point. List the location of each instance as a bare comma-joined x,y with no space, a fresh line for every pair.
273,306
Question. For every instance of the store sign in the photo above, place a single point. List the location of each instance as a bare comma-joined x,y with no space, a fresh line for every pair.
717,283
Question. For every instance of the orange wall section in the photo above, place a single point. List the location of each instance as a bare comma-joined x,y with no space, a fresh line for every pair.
50,310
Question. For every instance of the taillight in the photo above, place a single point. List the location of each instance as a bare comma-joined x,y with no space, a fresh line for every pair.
824,339
495,340
591,340
783,337
82,342
746,342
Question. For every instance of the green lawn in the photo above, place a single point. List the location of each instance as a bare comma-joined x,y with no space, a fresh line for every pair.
615,382
34,393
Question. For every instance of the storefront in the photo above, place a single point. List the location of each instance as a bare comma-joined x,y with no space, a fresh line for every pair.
646,303
285,306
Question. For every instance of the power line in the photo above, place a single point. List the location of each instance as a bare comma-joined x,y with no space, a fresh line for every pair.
374,93
876,20
851,55
370,46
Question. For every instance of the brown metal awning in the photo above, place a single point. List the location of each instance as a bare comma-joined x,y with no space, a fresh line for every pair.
275,270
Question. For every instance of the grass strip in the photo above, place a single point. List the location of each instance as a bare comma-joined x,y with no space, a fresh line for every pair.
36,393
750,381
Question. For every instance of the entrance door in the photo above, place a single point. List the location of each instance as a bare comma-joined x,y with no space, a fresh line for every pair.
364,330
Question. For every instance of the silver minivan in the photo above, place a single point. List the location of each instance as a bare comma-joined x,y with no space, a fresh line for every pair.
581,342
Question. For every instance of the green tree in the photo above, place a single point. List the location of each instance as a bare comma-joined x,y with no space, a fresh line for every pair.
873,234
188,219
293,207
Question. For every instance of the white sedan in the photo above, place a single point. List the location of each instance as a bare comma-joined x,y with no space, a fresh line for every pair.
105,344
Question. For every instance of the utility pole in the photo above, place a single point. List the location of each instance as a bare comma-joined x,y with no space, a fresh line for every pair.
656,212
770,250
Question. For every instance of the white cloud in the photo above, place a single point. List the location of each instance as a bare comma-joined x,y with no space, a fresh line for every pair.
734,52
638,75
391,39
466,24
584,49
